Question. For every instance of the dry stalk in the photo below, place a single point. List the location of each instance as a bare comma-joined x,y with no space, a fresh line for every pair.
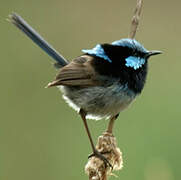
135,19
95,168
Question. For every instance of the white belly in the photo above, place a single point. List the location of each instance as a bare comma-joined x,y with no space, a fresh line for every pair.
99,102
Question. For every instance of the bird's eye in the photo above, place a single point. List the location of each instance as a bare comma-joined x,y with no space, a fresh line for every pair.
134,53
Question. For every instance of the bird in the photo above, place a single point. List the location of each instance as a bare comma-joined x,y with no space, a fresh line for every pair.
102,81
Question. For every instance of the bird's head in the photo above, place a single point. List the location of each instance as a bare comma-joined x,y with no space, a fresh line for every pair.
128,52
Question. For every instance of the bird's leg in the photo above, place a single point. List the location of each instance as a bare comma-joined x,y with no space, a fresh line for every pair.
111,123
83,116
95,152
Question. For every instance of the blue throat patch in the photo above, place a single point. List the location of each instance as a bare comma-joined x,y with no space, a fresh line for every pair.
131,61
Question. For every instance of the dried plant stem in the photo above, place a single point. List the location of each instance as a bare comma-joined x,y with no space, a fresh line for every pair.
135,19
95,168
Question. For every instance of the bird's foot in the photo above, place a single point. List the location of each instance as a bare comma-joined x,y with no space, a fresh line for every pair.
100,156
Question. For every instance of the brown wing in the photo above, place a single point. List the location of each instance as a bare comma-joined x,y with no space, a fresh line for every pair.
78,73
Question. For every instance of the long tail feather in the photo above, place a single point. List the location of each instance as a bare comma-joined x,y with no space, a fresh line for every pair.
21,24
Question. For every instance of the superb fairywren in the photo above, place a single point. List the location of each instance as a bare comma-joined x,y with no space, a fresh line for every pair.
100,83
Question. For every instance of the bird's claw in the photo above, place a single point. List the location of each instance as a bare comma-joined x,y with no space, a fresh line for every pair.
103,158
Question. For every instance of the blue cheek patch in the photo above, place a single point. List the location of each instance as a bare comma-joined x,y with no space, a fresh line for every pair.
97,51
134,62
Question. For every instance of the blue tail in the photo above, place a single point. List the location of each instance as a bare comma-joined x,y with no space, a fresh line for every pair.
21,24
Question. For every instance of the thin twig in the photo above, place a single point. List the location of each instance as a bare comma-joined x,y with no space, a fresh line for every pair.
135,19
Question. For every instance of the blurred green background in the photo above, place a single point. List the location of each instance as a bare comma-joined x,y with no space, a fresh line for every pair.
41,138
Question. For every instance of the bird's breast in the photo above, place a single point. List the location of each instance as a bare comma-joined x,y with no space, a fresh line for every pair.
99,101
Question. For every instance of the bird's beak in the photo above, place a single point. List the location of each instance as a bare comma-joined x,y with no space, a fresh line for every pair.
152,53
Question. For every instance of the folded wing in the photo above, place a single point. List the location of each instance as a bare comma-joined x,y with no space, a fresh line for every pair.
77,73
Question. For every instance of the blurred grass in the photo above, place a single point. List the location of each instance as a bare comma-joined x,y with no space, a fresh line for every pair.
41,137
